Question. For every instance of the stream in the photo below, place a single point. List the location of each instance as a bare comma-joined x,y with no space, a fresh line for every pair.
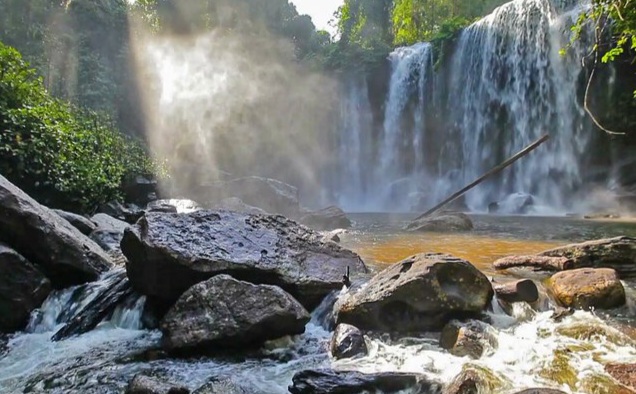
533,350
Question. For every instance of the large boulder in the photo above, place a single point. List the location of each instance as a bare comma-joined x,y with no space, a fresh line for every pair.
420,293
168,253
23,288
65,255
442,222
329,218
617,253
223,313
586,288
78,221
141,384
347,342
352,382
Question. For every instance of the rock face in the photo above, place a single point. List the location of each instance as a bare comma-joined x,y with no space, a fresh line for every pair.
588,287
168,253
472,338
442,222
346,382
78,221
23,288
223,313
141,384
330,218
65,255
421,293
618,253
347,342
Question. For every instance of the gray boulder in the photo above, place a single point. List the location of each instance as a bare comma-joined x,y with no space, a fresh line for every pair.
329,218
420,293
65,255
78,221
23,288
223,313
442,222
169,253
347,342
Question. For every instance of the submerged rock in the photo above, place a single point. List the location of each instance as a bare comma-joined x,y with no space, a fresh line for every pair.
472,338
351,382
347,341
617,253
65,255
587,288
23,288
421,293
329,218
168,253
78,221
442,222
141,384
224,313
475,379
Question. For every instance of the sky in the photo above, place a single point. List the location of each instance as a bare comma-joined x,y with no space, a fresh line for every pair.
321,11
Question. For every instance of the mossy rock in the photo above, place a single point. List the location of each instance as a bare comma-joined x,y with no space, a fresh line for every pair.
560,370
595,332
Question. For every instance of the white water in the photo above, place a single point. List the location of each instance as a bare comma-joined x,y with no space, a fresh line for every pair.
505,85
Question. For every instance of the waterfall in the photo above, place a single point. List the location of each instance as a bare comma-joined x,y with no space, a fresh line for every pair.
502,85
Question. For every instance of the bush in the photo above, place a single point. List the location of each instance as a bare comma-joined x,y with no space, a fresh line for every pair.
63,156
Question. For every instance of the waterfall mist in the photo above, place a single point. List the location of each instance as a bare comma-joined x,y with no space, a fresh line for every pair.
229,101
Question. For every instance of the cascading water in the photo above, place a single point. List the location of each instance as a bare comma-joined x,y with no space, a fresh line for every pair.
502,86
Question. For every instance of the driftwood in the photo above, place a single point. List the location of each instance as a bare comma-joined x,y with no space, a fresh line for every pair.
524,290
488,174
544,263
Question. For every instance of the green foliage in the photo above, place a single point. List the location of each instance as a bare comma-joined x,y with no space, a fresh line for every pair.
65,156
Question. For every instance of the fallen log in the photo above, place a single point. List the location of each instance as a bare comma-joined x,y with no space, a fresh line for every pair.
544,263
524,290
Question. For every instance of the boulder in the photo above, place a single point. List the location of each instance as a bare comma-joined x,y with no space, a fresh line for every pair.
617,253
543,263
23,288
472,338
224,313
475,379
442,222
235,204
420,293
65,255
587,288
522,290
352,382
108,234
540,391
129,213
168,253
174,205
140,189
222,386
141,384
347,341
329,218
78,221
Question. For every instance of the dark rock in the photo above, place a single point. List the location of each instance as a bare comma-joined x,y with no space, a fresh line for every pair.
173,206
560,313
617,253
587,288
23,288
493,207
421,293
540,391
108,234
523,290
347,342
114,289
224,313
235,204
141,384
326,219
351,382
472,338
222,386
442,222
168,253
129,213
515,204
78,221
543,263
140,189
65,255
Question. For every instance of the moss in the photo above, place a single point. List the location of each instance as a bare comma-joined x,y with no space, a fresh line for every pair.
559,369
591,332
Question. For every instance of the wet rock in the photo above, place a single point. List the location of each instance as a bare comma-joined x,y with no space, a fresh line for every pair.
472,338
543,263
420,293
174,205
236,205
140,189
108,234
65,255
474,380
561,313
78,221
141,384
347,342
129,213
442,222
587,288
624,373
329,218
222,386
540,391
23,288
168,253
351,382
224,313
617,253
523,290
